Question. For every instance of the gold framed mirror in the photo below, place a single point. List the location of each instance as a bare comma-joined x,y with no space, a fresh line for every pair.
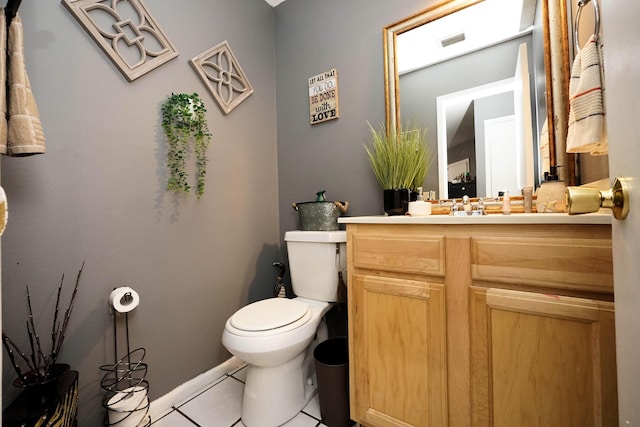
551,18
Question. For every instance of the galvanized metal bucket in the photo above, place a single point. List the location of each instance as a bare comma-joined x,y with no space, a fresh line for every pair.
320,216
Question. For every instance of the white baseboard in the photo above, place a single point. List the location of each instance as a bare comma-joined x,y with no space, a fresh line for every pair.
164,404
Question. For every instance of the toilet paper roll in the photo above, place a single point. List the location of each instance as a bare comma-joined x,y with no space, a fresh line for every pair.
132,418
128,407
124,299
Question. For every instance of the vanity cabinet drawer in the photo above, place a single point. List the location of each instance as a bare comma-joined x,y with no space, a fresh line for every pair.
411,254
580,264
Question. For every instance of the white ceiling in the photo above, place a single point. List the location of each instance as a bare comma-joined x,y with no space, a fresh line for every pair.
274,2
483,24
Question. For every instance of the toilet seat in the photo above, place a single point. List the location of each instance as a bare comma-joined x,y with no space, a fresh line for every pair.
274,315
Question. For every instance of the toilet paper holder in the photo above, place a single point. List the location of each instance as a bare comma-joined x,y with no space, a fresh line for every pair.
126,389
124,299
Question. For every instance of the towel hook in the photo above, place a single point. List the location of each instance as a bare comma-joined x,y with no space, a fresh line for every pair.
596,31
11,9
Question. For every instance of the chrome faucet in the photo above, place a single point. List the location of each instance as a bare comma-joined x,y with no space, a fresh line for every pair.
467,208
481,206
454,207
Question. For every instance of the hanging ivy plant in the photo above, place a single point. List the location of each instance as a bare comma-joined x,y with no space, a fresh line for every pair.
184,123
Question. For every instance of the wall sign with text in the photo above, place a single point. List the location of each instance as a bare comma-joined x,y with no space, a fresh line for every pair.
323,97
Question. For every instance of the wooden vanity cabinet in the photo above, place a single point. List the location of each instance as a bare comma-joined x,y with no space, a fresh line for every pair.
397,328
541,360
485,325
542,329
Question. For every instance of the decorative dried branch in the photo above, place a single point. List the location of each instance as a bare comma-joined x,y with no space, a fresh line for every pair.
67,315
33,351
37,362
7,345
33,333
54,325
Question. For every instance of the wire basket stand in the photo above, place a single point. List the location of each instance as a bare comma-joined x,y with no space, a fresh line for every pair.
126,399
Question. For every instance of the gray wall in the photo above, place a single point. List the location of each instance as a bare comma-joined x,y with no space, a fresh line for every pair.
98,195
313,37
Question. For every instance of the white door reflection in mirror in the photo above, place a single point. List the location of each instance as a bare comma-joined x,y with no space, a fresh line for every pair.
501,155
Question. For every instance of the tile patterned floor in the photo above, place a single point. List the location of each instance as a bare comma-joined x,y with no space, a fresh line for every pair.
220,406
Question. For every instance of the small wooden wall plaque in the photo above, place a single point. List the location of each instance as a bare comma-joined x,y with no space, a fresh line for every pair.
221,73
323,97
126,32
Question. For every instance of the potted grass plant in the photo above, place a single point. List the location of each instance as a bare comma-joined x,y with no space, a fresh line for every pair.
400,160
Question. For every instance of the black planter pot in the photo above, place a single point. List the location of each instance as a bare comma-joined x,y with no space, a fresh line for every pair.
42,392
396,202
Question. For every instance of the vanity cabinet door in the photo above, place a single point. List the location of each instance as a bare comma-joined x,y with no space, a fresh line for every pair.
397,352
541,360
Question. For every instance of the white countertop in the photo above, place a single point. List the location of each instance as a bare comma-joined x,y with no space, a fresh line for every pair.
521,218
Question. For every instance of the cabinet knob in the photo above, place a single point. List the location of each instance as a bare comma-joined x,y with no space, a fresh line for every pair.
589,199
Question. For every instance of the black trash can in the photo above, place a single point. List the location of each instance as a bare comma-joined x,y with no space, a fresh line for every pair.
332,370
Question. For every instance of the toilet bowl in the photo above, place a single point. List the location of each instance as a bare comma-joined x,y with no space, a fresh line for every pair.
276,337
280,375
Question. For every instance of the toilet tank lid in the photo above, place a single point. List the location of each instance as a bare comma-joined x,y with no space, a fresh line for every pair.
338,236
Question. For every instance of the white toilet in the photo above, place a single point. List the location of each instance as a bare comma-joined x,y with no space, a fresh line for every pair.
276,337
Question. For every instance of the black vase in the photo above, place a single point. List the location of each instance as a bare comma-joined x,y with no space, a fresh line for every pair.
396,202
41,392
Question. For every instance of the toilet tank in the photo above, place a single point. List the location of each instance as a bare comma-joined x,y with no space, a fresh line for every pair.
315,258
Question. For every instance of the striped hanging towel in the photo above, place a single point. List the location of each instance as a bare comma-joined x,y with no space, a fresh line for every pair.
587,114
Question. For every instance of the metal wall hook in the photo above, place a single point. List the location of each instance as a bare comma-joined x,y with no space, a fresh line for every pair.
11,9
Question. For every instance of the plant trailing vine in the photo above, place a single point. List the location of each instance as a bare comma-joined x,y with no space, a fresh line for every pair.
184,123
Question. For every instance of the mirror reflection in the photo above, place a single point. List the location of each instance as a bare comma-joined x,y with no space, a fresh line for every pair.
476,79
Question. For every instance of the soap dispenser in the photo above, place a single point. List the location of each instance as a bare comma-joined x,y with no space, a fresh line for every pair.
551,196
420,207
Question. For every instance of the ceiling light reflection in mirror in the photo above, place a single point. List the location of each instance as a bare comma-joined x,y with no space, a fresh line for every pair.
476,27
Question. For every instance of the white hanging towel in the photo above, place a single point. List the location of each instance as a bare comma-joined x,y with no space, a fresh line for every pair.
587,114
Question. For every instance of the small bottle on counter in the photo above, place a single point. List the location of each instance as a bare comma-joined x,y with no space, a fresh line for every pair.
527,192
506,204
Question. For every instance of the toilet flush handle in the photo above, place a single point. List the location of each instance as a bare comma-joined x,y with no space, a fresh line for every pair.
279,290
282,268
